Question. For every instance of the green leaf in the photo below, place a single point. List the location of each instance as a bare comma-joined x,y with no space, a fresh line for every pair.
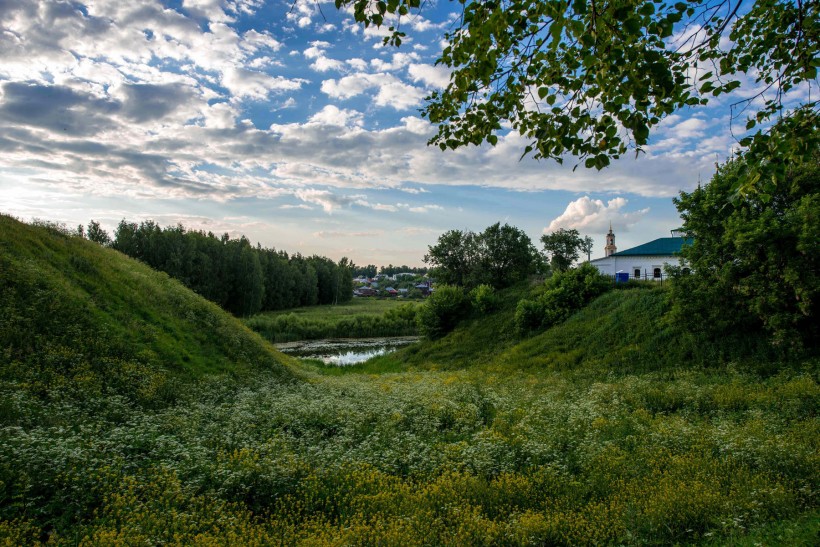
632,25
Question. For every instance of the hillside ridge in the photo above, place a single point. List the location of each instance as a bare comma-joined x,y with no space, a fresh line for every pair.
77,316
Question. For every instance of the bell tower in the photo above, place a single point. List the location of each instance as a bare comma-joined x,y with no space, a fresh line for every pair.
610,242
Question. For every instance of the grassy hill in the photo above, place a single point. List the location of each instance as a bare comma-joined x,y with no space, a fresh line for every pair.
76,318
134,412
624,331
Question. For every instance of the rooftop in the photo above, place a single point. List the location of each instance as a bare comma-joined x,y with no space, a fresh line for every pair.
664,246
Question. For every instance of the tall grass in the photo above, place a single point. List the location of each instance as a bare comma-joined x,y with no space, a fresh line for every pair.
610,428
287,327
463,457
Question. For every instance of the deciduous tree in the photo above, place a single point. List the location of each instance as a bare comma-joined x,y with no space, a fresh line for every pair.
563,247
96,234
499,256
754,262
591,78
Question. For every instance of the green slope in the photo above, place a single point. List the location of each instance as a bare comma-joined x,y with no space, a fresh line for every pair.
611,428
82,320
624,331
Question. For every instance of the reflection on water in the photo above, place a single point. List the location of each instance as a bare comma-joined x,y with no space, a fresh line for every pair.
345,351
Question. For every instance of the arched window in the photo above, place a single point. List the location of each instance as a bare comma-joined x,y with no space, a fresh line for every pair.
637,273
656,273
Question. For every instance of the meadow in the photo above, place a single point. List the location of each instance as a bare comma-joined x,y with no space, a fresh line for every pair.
613,427
360,318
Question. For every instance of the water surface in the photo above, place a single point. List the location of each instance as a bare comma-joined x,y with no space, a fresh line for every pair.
345,351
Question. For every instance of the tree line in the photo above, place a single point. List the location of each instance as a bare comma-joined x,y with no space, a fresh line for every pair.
234,274
501,256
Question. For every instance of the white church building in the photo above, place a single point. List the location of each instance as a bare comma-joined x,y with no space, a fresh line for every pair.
645,261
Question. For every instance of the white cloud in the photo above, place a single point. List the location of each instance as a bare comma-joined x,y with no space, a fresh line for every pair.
426,208
593,215
409,190
256,85
220,116
290,102
332,115
350,86
399,61
436,76
357,64
399,95
391,91
302,12
254,41
133,98
316,49
324,64
324,198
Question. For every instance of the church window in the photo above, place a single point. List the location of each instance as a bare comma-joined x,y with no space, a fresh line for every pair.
637,273
656,273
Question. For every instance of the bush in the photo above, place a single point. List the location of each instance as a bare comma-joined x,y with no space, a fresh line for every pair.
484,299
565,293
754,259
441,312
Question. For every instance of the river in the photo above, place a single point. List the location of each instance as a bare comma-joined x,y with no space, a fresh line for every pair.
345,351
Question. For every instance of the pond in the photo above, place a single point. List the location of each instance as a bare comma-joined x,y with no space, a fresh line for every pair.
345,351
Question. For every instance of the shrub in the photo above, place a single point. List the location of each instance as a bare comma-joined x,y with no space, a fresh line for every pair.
484,298
441,312
565,293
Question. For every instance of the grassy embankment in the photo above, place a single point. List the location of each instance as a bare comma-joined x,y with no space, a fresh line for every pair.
610,428
359,318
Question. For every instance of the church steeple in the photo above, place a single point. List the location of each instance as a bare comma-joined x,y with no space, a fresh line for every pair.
610,242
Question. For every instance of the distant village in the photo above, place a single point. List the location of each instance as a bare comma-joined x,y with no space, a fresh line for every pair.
399,285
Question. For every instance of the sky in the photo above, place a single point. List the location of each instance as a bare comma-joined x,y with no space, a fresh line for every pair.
290,124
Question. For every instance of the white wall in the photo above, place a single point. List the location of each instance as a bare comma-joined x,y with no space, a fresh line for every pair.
646,264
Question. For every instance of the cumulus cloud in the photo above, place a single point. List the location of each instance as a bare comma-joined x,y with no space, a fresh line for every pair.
136,98
332,115
398,62
431,75
256,85
593,215
302,12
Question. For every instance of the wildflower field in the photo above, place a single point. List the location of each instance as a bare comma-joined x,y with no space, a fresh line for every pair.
581,434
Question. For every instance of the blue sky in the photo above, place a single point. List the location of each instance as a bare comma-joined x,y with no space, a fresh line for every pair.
294,126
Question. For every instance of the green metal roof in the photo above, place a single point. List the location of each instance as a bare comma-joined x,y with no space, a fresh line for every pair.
665,246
